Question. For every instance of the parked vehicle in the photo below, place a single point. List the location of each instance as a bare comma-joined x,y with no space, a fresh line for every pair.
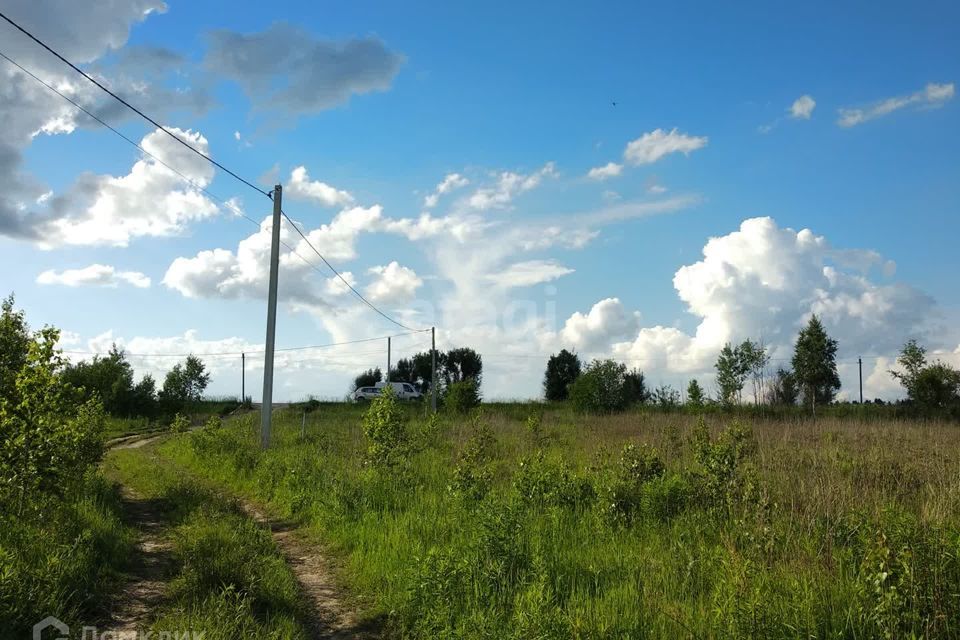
365,394
403,390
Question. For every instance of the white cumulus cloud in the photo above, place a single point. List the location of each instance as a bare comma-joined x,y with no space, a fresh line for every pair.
393,284
100,275
656,144
450,182
802,108
301,186
507,186
609,170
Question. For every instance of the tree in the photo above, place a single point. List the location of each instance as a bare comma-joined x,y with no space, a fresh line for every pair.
815,364
418,370
932,386
368,378
462,364
695,394
599,389
47,438
783,388
184,384
635,387
14,346
562,370
666,397
731,373
754,359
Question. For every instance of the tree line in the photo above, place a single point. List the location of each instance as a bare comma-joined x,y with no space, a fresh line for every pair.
811,380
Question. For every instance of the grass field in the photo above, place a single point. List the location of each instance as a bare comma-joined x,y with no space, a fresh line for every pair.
526,521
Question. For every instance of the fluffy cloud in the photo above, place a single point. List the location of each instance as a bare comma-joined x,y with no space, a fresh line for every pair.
101,275
286,69
220,273
507,186
300,186
763,282
802,108
449,183
609,170
658,143
606,322
81,32
393,284
151,200
931,96
529,273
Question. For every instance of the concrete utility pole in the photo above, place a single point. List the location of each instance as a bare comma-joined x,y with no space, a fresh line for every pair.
388,359
433,366
243,378
266,403
860,365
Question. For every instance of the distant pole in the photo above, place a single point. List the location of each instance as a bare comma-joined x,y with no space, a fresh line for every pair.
860,365
433,368
388,358
266,403
243,378
303,425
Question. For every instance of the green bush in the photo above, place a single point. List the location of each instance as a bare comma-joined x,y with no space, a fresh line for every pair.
600,388
384,427
180,424
462,396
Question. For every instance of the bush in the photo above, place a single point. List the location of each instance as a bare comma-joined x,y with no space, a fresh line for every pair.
385,430
462,396
180,424
600,389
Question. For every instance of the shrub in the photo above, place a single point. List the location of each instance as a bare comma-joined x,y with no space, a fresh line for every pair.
600,389
562,370
542,482
462,396
180,424
473,474
721,479
385,430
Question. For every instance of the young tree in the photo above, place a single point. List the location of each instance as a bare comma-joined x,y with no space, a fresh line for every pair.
14,346
695,395
731,374
599,389
368,378
666,397
635,387
48,438
815,364
562,370
462,364
754,359
184,384
932,386
783,388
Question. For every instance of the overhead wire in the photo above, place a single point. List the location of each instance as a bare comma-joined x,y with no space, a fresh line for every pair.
130,106
231,207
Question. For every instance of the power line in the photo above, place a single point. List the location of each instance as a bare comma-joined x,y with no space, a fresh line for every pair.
344,280
231,207
237,353
130,106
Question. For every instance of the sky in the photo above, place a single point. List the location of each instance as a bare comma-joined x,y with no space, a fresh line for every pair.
641,181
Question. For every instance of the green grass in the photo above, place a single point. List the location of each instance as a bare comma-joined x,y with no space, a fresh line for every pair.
62,557
228,579
547,528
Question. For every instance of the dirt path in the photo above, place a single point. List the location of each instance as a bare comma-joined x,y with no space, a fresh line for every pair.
146,584
331,618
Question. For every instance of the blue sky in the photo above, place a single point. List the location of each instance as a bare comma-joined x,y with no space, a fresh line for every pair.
386,100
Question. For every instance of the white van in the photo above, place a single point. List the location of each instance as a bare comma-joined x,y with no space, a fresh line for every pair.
403,390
